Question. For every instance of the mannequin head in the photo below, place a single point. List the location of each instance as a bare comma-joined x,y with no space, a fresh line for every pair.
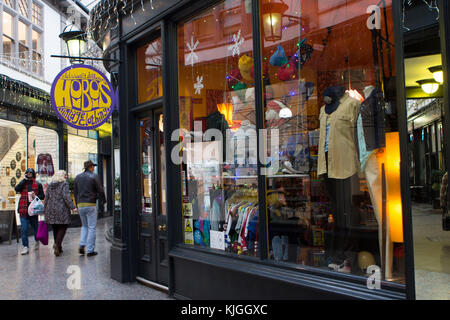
332,96
368,91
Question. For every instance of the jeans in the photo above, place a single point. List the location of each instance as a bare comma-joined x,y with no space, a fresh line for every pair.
88,217
25,222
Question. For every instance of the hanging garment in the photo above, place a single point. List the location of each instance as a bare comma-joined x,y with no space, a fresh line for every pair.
343,159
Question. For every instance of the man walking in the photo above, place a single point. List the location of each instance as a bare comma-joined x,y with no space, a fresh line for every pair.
86,191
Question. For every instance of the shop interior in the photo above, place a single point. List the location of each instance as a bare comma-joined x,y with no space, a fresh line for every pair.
323,211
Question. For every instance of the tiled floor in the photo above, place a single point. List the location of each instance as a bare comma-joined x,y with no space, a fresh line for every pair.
41,275
431,254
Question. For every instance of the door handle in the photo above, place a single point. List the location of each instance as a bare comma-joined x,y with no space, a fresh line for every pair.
162,227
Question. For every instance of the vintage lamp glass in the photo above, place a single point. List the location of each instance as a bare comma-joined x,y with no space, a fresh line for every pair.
272,16
76,42
429,86
438,73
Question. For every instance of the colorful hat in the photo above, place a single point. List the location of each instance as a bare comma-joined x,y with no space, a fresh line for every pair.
233,77
245,67
278,58
286,72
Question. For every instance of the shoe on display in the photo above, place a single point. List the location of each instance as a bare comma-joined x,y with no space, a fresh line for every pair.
24,251
334,266
36,246
344,268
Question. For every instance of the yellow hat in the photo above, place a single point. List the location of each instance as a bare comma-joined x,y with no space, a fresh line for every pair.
365,260
245,67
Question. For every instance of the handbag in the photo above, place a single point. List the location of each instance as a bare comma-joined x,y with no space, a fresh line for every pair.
42,233
36,207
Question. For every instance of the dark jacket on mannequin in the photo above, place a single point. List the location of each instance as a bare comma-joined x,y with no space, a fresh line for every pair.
372,115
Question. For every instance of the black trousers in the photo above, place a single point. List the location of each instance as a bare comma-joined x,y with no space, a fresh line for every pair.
343,241
59,231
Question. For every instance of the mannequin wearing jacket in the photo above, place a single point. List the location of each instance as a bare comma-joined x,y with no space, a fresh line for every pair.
338,164
372,142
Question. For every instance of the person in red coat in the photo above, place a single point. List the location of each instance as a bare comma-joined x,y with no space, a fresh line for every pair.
28,185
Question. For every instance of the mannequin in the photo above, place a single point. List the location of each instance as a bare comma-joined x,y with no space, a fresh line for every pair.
338,164
372,140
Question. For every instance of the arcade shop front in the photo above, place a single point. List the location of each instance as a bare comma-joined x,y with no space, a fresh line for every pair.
262,146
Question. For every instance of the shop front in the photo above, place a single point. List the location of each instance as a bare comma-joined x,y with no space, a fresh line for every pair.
263,148
32,136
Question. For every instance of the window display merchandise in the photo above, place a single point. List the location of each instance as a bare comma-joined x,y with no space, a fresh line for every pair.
332,184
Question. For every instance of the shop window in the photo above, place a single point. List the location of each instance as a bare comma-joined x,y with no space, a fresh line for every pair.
13,158
329,92
149,61
218,122
43,151
80,149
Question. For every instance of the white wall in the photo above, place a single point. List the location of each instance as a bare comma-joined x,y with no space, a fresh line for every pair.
53,23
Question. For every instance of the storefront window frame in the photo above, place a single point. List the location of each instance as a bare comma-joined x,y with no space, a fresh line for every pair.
170,87
259,101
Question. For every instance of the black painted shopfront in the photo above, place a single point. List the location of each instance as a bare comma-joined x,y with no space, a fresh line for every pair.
317,208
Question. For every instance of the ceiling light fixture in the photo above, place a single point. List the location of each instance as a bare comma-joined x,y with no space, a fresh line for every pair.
429,86
438,73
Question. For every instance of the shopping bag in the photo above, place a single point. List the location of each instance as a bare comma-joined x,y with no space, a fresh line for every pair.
42,233
36,207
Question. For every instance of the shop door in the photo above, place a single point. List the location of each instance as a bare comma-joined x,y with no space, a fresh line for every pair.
152,221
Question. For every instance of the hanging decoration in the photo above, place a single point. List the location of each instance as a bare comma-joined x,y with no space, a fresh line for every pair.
19,94
235,48
192,56
432,5
198,86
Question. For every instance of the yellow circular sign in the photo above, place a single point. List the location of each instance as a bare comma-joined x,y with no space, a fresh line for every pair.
82,97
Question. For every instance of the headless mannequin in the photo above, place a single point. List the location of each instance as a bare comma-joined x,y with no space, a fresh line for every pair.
340,245
372,171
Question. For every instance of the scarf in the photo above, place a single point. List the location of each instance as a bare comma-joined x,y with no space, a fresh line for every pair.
23,202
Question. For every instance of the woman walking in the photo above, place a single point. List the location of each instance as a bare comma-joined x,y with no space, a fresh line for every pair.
28,188
57,208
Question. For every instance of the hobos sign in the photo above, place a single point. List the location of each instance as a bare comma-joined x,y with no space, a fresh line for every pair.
82,97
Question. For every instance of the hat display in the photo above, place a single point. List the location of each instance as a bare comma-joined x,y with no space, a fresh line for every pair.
250,95
233,78
365,260
286,72
245,66
278,58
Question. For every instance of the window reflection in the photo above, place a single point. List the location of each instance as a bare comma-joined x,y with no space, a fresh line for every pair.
149,59
329,91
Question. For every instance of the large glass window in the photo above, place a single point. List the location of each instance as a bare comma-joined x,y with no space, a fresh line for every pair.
18,26
80,149
331,152
13,158
23,44
8,35
43,150
216,96
333,197
149,60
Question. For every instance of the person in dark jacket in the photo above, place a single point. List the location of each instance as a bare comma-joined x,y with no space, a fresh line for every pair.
57,208
28,189
87,190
